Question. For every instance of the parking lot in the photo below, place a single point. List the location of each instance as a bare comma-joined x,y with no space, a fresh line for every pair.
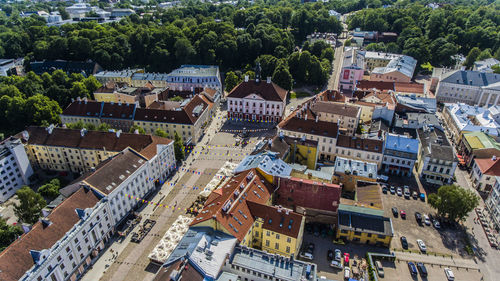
322,245
398,270
443,241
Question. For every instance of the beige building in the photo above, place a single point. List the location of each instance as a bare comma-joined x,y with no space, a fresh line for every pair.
80,151
346,116
143,96
363,149
378,59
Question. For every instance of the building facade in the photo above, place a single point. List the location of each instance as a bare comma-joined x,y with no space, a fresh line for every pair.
345,115
257,100
15,168
469,87
400,154
399,69
364,149
484,172
352,69
348,172
493,203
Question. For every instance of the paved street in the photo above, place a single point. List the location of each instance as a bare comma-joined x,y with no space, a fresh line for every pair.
129,261
337,62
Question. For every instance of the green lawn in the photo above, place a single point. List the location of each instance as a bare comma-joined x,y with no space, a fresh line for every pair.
294,95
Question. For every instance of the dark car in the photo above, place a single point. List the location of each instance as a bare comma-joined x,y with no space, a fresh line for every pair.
384,189
310,247
418,217
395,211
329,255
412,268
421,269
404,242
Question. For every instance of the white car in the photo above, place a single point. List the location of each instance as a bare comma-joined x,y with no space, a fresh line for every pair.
336,264
307,255
437,225
421,246
399,191
449,274
427,221
338,255
347,273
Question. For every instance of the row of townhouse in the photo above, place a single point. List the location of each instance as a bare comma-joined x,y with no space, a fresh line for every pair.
187,119
80,151
184,78
69,239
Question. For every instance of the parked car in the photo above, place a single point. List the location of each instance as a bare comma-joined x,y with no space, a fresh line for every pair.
338,255
418,217
395,211
384,189
329,255
403,214
449,274
407,192
412,268
336,264
399,191
421,269
415,195
347,273
307,255
427,221
380,268
436,224
422,197
393,190
421,246
346,259
404,242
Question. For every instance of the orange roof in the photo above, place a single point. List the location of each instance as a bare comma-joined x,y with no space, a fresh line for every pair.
230,208
403,87
489,166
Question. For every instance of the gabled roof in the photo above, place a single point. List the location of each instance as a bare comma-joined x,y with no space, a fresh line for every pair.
268,91
309,125
365,144
379,85
16,259
111,174
277,219
489,166
401,143
144,144
471,78
335,108
84,108
231,209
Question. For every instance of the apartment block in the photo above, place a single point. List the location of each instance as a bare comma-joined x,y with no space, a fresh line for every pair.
15,168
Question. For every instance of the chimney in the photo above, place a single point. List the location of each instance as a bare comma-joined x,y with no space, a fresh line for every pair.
268,80
136,131
85,100
50,128
494,158
83,132
45,212
118,133
317,117
26,227
26,135
246,78
305,117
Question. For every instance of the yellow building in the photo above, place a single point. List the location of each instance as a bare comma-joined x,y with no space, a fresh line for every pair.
79,151
364,225
241,208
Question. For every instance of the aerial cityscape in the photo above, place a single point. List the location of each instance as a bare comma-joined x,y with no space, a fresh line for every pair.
242,140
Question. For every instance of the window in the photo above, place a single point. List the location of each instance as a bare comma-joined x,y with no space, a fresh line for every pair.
267,243
268,233
62,266
289,240
59,258
357,233
288,249
67,249
70,257
76,240
277,236
277,246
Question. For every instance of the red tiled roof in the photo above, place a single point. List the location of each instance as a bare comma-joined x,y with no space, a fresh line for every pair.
335,108
379,85
145,144
16,259
489,166
268,91
370,145
330,95
84,108
277,219
411,87
230,209
118,110
309,194
309,126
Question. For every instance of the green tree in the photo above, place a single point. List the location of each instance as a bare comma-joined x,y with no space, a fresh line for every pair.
8,233
103,127
178,147
454,202
347,43
30,205
231,81
472,57
91,84
160,133
485,54
496,68
50,189
139,129
282,77
176,98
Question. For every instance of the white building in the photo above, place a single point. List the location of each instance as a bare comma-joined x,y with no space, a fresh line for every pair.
469,87
257,100
79,10
352,68
399,69
485,65
63,244
15,168
493,203
484,171
465,118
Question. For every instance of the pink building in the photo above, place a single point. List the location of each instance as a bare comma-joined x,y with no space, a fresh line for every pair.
257,100
352,69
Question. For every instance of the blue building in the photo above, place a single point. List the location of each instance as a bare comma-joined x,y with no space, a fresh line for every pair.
400,154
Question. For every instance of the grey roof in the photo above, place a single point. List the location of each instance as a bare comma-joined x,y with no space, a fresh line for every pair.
403,64
435,144
272,265
471,78
419,103
267,162
486,64
364,219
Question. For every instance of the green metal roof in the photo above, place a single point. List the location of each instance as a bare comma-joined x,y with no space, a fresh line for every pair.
478,140
360,210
